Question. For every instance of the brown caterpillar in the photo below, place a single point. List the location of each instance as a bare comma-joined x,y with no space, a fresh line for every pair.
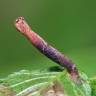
45,48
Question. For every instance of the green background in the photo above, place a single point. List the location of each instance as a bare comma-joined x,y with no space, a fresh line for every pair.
68,25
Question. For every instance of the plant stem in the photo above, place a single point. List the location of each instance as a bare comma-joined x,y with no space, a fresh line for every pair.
45,48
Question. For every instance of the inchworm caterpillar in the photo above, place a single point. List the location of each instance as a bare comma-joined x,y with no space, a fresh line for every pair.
45,48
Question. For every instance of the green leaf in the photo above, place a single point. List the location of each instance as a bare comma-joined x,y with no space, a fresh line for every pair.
93,86
72,88
43,83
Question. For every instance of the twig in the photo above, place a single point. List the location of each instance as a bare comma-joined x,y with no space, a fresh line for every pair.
45,48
